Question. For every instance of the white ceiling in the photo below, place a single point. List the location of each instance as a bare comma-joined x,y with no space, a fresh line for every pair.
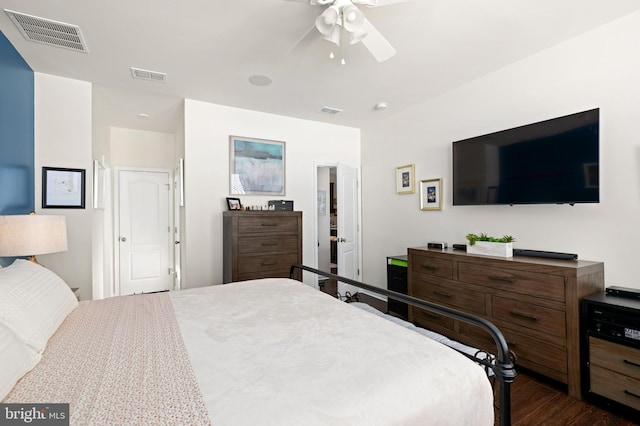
210,48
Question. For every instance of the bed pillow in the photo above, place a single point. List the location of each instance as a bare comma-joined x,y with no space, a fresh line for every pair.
33,302
16,359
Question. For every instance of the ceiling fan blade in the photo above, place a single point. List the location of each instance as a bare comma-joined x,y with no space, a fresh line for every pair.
378,3
379,47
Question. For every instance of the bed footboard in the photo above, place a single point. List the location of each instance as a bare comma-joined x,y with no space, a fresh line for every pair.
502,367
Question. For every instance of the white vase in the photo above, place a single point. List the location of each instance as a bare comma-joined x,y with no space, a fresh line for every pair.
487,248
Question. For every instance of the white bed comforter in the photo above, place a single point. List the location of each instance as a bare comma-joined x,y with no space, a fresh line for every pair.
277,352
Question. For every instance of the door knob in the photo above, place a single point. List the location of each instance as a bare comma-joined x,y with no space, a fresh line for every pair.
123,239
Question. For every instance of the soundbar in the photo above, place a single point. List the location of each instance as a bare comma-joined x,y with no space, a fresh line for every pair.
542,253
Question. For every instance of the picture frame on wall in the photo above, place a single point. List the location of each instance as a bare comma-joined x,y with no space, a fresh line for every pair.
257,166
63,188
405,179
431,194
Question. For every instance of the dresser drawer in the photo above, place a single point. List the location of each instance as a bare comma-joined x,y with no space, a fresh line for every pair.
428,319
537,354
523,282
266,224
267,245
619,358
529,315
432,266
453,295
615,386
280,273
266,263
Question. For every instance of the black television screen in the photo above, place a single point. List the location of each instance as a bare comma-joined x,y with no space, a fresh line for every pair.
550,162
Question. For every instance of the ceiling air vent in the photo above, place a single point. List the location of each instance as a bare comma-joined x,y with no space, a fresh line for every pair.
330,111
46,31
148,75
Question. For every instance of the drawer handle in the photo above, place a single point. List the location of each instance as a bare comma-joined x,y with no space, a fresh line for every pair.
429,267
268,263
269,224
442,294
269,244
631,394
523,315
635,364
503,279
431,315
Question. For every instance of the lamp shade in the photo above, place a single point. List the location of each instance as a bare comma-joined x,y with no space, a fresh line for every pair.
31,235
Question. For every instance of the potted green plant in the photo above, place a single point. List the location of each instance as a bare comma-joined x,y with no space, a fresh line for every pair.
490,246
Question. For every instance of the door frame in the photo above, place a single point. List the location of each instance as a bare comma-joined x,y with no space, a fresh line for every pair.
116,219
316,166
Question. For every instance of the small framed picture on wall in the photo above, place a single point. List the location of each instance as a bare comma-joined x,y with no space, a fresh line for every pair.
431,194
62,188
405,179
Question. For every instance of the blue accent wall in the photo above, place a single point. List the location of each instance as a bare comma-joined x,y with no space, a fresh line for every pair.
16,132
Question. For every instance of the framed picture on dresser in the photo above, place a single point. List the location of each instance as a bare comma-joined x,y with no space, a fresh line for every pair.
234,203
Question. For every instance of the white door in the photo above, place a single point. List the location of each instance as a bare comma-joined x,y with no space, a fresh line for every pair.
178,197
347,189
145,235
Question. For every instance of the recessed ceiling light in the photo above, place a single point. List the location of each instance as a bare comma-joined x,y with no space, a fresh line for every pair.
380,106
260,80
143,116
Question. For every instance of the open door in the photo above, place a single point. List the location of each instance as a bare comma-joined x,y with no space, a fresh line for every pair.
348,223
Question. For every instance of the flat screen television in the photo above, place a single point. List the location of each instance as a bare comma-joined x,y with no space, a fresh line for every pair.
551,162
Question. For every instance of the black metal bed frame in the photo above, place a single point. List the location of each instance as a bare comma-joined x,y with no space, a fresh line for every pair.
502,366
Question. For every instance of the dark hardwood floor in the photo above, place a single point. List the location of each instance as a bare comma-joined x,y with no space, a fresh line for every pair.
536,400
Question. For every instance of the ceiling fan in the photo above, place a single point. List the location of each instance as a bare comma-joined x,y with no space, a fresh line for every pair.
343,20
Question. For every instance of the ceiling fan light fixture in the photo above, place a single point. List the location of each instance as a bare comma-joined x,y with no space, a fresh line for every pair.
357,37
334,36
352,18
328,20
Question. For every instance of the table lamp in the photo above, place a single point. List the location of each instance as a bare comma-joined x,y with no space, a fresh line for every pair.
31,235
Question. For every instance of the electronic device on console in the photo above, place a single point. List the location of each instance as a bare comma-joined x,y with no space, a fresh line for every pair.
626,292
615,324
440,245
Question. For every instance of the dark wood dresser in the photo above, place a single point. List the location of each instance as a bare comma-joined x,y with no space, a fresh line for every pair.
260,244
535,302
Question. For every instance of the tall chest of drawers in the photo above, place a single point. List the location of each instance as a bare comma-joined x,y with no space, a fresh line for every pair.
535,302
260,244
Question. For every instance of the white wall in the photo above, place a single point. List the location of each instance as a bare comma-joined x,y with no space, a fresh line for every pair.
206,135
63,139
599,69
141,148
